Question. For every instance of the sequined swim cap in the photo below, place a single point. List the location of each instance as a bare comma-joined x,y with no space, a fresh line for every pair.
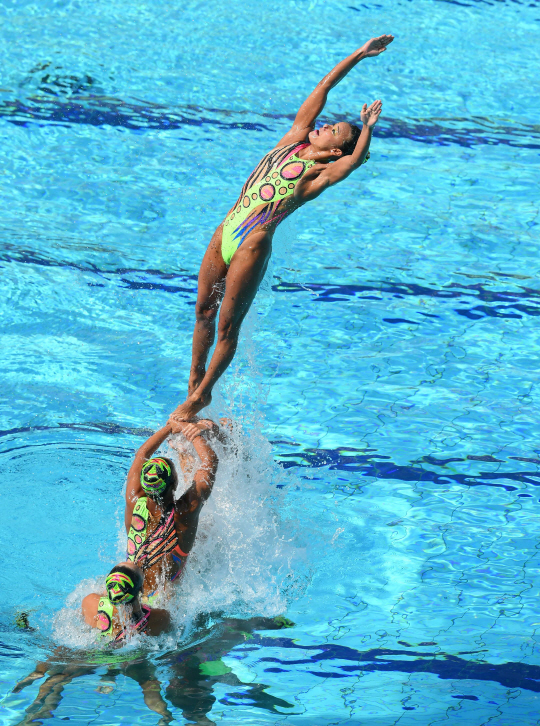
156,475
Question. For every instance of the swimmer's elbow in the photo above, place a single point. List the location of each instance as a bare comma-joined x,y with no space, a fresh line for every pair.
210,460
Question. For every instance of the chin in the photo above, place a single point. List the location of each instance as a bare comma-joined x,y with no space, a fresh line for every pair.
313,135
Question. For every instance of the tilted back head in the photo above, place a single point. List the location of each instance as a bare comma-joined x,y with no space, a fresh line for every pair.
349,145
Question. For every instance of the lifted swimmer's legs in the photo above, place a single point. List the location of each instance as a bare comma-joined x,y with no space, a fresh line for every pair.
210,289
244,276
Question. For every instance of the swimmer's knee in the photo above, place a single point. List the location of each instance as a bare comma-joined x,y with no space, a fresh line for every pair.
228,329
205,312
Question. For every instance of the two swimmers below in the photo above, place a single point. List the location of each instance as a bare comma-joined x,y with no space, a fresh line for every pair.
161,532
304,163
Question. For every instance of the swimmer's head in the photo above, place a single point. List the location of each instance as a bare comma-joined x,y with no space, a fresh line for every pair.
158,475
336,139
124,582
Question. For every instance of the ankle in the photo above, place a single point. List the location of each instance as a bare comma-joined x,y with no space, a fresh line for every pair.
198,395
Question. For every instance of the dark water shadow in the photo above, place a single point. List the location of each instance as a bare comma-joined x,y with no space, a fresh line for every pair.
494,301
443,665
367,462
81,108
372,465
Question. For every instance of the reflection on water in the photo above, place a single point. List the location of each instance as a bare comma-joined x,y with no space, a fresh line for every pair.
187,675
186,678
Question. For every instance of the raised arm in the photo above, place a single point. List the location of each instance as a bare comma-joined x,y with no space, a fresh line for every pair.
324,176
316,101
133,487
205,476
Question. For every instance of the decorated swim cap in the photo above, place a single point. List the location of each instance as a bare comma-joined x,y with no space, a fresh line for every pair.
156,475
120,587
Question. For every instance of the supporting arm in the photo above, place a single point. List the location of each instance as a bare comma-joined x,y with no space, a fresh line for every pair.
133,486
205,476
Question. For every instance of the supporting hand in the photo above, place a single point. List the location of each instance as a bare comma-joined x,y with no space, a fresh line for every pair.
191,429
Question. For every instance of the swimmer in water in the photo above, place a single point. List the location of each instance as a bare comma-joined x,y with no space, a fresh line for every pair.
120,612
161,530
305,162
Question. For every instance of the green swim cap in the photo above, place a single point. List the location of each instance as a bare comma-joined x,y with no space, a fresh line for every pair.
120,587
156,475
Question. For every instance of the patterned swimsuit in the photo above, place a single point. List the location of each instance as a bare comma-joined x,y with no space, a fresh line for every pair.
146,549
262,200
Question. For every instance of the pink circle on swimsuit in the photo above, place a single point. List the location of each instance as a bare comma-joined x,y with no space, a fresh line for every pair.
267,192
292,170
137,522
103,621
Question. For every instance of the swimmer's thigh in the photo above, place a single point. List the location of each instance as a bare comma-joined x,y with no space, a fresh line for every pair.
245,274
212,273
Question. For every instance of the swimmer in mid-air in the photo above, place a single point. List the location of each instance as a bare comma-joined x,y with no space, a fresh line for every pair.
294,172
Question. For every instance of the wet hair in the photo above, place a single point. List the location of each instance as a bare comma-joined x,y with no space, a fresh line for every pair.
349,145
123,584
158,475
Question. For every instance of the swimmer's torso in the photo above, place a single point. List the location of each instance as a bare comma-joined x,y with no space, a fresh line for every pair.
109,625
266,198
153,545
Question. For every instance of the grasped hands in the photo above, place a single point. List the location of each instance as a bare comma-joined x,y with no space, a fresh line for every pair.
370,114
376,46
192,429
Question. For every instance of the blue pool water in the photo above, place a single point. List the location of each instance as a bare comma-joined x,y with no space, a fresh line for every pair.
384,492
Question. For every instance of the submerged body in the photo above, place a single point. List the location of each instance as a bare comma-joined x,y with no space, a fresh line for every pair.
298,169
118,613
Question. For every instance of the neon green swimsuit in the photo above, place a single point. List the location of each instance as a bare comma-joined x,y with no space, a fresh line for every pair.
271,183
105,620
146,549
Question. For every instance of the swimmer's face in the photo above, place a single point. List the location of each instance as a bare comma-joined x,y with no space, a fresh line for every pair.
330,137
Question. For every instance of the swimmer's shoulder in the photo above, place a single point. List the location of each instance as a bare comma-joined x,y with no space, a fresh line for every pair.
159,622
89,608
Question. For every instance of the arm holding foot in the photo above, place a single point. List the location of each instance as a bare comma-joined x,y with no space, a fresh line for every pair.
205,476
134,489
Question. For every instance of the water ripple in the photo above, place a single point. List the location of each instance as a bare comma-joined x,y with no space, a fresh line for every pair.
106,111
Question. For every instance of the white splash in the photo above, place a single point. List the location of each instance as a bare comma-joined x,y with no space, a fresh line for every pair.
244,562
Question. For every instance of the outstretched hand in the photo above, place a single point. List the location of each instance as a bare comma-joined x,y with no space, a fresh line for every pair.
370,114
376,46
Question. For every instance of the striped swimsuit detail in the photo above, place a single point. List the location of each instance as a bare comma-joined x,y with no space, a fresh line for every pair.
261,201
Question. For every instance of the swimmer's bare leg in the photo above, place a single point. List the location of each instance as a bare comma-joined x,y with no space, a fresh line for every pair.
209,293
244,276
